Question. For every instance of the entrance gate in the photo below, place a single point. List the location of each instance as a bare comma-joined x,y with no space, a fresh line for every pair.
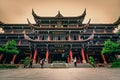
58,57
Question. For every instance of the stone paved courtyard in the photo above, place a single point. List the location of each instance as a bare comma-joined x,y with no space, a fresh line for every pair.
60,74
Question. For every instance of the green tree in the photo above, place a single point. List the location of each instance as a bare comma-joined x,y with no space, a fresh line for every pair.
110,48
92,61
26,61
12,49
9,48
2,50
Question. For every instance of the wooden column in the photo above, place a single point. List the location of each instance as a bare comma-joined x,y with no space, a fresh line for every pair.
87,57
68,59
13,59
38,37
78,61
31,57
71,54
19,43
77,25
1,55
69,37
116,56
105,31
48,37
79,38
12,32
49,23
35,54
38,60
103,57
46,55
83,56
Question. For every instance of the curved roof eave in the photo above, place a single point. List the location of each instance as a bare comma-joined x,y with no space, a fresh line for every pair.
91,37
82,27
40,17
117,22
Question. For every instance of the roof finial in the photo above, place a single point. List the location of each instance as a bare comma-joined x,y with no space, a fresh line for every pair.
33,13
59,14
58,11
84,13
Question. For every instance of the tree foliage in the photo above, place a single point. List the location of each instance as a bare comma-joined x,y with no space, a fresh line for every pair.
26,61
92,61
9,47
3,48
110,47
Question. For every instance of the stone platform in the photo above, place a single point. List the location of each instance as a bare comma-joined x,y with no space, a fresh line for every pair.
60,74
63,65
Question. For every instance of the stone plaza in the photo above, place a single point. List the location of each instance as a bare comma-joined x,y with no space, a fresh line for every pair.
60,74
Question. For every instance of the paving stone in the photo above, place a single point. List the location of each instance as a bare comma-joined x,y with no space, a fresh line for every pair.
60,74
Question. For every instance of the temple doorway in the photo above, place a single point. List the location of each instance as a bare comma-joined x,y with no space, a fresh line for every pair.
58,57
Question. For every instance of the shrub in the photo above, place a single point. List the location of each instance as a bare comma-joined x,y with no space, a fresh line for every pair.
2,66
92,61
26,61
116,63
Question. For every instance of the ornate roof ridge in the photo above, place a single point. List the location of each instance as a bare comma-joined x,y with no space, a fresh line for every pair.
58,15
117,22
1,22
91,37
82,27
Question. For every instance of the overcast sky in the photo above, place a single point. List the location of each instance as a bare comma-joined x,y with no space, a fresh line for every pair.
100,11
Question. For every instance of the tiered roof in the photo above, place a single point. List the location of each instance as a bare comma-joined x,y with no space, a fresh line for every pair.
59,16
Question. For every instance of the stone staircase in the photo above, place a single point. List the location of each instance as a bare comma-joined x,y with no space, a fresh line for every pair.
63,65
80,65
39,66
59,65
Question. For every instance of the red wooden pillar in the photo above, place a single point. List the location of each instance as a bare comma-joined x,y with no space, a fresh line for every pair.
87,57
77,25
12,32
38,38
103,57
19,43
69,38
31,57
1,55
116,56
79,37
49,25
35,54
47,55
71,54
13,59
78,61
68,59
48,37
38,60
104,30
83,56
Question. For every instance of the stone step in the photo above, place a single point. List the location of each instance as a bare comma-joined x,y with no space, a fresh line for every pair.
80,65
63,65
38,65
59,65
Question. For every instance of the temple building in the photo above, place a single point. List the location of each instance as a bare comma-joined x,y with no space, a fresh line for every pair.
59,38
